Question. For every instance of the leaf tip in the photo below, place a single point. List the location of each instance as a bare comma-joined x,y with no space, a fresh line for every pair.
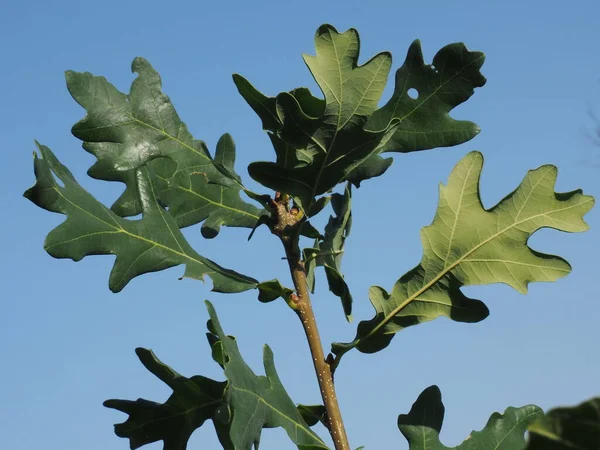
142,352
139,63
70,76
211,310
326,28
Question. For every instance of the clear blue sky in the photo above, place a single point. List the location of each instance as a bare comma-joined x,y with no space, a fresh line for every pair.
66,342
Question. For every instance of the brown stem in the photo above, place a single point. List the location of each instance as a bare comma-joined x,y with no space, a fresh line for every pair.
286,223
304,310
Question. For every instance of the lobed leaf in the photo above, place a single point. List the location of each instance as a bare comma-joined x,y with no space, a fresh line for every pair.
150,244
424,121
576,427
328,252
193,401
127,132
422,425
256,402
469,245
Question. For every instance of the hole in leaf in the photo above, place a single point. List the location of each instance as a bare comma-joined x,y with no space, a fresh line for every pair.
413,93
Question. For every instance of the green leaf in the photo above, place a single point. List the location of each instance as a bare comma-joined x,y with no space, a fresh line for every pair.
126,132
266,107
422,426
328,252
193,401
424,122
150,244
319,205
469,245
372,167
257,402
272,290
572,428
313,414
324,143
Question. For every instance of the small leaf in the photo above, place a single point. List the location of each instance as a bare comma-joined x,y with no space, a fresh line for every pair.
272,290
576,427
126,132
328,252
313,414
258,402
422,425
193,401
372,167
264,219
318,205
469,245
307,229
424,122
266,107
141,246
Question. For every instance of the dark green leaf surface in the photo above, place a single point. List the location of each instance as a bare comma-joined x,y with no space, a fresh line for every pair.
321,143
571,428
126,132
324,142
469,245
422,426
257,402
150,244
313,414
266,107
328,252
193,401
424,122
272,290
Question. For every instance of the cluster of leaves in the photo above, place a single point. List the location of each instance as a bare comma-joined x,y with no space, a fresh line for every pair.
245,404
569,428
173,181
239,408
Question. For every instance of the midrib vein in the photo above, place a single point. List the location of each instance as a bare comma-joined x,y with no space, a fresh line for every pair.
118,229
220,204
181,413
170,136
457,213
285,416
434,92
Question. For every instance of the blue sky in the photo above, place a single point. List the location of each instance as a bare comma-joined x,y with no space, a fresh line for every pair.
67,343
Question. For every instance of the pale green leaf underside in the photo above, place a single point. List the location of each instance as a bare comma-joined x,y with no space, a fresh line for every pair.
126,132
257,402
422,426
150,244
469,245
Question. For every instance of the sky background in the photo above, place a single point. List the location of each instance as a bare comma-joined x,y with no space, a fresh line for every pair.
67,343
